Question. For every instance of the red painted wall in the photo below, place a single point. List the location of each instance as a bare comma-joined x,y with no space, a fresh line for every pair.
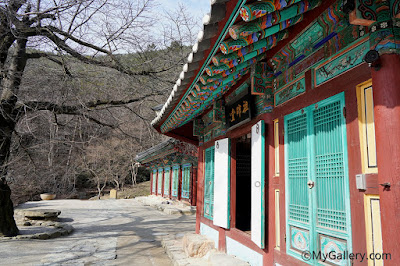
346,82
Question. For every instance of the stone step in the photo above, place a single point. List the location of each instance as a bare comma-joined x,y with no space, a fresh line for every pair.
222,259
196,245
201,247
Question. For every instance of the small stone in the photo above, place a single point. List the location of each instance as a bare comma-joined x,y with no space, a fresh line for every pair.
68,228
56,233
27,224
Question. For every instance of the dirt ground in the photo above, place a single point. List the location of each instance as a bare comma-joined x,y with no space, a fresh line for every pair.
107,232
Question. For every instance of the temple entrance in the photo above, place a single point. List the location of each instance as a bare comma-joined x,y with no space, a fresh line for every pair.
243,183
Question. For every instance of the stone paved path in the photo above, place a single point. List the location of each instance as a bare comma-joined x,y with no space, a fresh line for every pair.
107,232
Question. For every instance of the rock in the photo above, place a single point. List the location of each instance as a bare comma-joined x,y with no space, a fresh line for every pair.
196,245
48,223
42,236
172,211
27,224
56,233
68,228
42,214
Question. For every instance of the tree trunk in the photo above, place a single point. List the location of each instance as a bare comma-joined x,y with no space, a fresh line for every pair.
7,223
8,120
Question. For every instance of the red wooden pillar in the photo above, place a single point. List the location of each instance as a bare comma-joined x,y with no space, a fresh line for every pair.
193,187
151,182
200,187
386,90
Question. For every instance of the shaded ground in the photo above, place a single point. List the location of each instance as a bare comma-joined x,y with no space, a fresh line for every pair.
107,232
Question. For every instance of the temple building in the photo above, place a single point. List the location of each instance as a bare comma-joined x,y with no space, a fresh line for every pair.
173,170
294,106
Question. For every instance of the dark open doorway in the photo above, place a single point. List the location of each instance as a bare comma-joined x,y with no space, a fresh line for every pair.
243,183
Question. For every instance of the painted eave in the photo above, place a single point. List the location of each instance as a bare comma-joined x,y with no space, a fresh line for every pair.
180,109
209,31
168,144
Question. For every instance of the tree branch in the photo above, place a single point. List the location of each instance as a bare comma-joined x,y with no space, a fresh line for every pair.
50,32
72,109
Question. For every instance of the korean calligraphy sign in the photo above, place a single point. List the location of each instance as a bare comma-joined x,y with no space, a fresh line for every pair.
238,112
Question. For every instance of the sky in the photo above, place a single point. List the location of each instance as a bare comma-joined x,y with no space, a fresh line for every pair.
195,11
198,7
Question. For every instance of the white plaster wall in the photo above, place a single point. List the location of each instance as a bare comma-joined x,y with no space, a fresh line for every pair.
210,233
244,253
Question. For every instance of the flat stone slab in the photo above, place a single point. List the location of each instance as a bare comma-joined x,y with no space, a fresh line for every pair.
46,231
38,214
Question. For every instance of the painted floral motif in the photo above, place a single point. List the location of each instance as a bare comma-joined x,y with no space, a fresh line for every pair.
337,246
300,241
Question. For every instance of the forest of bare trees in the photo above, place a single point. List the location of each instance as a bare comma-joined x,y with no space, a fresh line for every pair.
78,80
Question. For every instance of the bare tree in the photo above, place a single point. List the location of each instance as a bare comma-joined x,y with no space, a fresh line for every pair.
134,171
65,32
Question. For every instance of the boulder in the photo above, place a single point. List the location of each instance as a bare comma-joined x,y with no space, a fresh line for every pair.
197,246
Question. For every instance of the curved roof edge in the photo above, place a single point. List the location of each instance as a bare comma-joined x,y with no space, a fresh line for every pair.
210,30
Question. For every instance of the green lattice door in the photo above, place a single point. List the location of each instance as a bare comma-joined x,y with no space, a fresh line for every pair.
159,181
175,181
209,183
186,181
317,191
167,179
153,188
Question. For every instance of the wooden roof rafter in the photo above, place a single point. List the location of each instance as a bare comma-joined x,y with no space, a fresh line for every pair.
238,54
